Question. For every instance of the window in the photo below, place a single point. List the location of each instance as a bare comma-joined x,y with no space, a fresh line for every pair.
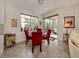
51,22
29,21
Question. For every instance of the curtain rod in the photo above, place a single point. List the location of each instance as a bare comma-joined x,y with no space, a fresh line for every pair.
29,15
51,16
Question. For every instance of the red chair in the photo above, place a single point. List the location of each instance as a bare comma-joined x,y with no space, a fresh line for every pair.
47,36
39,29
27,35
36,40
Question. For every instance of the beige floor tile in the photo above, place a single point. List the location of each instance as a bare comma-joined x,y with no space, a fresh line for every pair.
56,49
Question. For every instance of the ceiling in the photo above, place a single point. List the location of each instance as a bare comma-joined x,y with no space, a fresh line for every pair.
35,7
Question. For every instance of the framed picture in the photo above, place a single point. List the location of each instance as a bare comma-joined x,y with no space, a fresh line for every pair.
14,22
69,22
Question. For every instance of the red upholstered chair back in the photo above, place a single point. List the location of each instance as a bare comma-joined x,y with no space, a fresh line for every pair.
26,33
36,38
48,33
39,29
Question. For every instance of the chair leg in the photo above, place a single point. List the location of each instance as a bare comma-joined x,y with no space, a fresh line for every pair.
40,48
48,42
32,50
26,42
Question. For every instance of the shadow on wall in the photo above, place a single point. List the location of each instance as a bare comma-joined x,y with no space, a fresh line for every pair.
1,29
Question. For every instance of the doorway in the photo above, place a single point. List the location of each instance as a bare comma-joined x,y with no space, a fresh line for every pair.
51,22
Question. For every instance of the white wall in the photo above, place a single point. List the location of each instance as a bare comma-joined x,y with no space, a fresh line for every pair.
0,11
7,12
1,23
1,44
13,12
64,11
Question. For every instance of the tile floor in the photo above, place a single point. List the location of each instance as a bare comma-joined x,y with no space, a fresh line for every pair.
56,49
